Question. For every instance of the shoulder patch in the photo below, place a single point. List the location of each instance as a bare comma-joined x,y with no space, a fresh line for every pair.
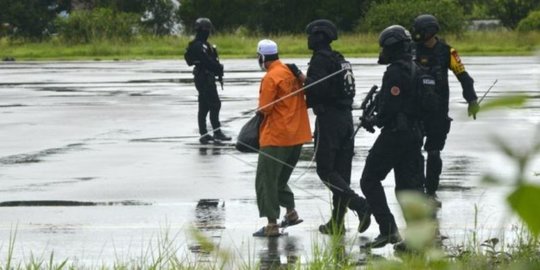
456,56
395,91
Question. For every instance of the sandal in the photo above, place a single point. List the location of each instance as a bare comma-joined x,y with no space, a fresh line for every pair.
290,219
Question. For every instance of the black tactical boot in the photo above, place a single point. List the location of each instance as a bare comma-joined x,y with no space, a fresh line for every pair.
364,215
206,139
331,227
382,239
364,219
218,135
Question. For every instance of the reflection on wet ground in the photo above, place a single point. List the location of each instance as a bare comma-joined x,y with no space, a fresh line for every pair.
279,253
210,214
119,140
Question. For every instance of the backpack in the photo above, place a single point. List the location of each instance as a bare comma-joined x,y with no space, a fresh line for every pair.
345,80
425,86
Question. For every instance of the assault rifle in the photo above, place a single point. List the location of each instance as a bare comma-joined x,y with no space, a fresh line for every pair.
368,107
220,77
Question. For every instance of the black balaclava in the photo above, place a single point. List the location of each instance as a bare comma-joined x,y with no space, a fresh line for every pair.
318,41
395,52
202,35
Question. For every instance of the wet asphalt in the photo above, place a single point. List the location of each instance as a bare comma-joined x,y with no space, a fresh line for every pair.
100,161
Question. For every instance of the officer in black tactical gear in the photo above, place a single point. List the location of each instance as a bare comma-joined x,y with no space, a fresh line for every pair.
438,57
207,67
333,127
399,144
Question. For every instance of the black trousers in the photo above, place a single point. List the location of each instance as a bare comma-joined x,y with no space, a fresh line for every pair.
208,101
335,150
436,129
400,151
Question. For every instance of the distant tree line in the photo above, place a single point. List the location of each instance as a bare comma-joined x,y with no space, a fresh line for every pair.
87,20
273,16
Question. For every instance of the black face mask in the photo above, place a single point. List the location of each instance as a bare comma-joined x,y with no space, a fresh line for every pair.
202,35
317,41
395,52
384,59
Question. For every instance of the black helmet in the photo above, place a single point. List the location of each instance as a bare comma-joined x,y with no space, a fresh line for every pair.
203,24
324,26
393,35
424,27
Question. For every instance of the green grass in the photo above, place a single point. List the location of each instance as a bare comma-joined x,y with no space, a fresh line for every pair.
242,46
330,253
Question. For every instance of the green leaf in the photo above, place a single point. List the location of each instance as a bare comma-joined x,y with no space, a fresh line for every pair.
415,205
498,103
524,201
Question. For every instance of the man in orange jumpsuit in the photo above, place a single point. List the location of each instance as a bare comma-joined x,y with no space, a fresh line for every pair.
284,130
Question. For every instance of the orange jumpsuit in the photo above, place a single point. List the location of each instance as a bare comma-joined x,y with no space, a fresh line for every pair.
286,123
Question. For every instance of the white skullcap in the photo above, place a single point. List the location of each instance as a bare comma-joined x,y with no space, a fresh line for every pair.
267,47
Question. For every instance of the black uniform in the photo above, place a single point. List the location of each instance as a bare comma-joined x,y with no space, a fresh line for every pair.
397,147
333,131
207,68
439,60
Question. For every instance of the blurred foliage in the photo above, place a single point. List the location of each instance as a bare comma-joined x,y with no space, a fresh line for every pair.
525,202
510,12
30,19
219,12
506,102
160,17
524,199
272,16
129,6
84,26
379,16
38,19
33,19
422,234
530,23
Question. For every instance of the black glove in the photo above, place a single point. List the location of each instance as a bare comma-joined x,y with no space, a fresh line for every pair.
295,70
368,123
473,108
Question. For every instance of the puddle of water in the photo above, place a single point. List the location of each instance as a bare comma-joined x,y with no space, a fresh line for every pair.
119,134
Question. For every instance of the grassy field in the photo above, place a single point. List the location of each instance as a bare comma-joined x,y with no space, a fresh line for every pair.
241,46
